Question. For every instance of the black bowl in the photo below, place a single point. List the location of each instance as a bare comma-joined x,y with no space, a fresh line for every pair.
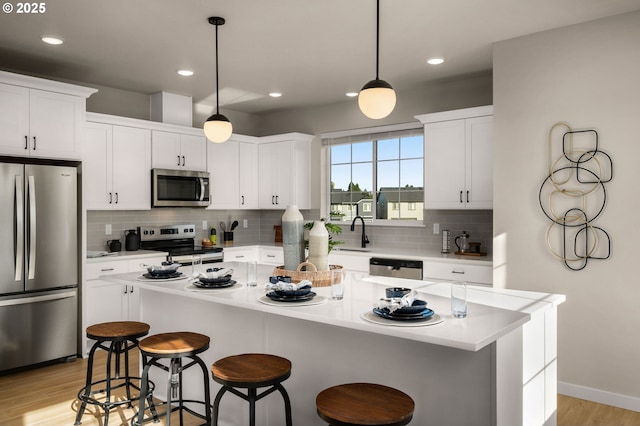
289,293
392,292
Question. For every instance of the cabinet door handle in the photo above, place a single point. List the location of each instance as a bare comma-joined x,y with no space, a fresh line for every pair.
461,196
131,290
34,143
467,196
183,160
273,197
111,198
106,269
242,198
126,289
239,256
457,272
276,199
271,255
178,160
26,142
117,198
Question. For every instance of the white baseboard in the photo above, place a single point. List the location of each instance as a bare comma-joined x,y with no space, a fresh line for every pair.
600,396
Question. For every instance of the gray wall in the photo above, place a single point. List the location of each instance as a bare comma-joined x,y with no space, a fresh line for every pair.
586,75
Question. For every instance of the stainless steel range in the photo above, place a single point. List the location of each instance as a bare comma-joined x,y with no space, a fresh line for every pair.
179,242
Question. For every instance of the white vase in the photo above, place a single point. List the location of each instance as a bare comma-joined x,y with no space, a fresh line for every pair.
292,237
319,246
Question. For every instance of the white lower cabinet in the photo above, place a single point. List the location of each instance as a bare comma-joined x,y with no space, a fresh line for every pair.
350,262
476,274
240,254
271,255
106,301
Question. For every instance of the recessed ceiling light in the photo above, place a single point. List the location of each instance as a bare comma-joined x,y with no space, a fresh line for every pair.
52,40
275,94
435,61
352,94
185,73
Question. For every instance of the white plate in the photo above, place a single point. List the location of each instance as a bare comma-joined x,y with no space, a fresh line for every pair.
376,319
315,301
191,287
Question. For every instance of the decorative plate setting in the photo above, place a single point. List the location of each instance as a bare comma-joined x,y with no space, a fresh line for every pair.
370,316
317,300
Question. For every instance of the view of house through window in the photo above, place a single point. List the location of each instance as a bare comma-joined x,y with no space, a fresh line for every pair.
381,178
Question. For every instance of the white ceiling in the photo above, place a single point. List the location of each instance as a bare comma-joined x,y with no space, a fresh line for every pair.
313,51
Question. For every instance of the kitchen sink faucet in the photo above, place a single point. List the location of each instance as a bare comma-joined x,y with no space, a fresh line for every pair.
365,239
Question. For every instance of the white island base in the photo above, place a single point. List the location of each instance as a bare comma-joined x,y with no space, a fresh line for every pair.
495,367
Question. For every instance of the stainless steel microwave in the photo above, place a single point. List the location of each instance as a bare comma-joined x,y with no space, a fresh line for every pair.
179,188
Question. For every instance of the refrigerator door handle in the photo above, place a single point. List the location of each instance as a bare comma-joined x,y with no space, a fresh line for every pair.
31,190
19,231
35,299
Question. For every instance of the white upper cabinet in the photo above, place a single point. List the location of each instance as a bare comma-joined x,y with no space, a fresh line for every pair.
116,167
233,173
284,170
459,159
178,151
41,123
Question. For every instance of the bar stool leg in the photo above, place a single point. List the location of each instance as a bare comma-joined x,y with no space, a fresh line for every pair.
207,389
87,387
287,403
216,404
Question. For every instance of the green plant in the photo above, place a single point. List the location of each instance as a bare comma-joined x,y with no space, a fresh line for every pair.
331,228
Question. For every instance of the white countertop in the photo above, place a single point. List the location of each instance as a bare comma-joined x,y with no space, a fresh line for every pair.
123,255
493,313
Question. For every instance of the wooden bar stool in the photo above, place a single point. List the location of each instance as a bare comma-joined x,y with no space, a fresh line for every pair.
175,347
117,338
251,372
364,404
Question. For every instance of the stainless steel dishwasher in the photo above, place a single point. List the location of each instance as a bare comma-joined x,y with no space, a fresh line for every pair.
398,268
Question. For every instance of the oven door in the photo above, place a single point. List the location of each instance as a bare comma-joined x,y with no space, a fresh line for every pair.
179,188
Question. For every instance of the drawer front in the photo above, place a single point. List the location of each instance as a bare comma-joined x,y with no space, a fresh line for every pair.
460,272
94,270
272,256
240,255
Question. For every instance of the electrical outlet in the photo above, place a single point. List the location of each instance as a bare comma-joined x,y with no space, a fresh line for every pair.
204,225
245,223
436,228
107,229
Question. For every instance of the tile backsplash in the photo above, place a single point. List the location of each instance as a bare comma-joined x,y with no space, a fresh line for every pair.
260,223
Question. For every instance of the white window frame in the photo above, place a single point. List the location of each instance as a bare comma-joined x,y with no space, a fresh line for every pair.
361,135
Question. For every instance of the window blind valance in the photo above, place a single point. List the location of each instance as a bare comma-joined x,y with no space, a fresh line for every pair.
372,133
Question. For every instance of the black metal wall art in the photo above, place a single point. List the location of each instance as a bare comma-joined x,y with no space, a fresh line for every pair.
573,196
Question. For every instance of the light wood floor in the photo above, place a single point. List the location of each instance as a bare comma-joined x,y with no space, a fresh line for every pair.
47,397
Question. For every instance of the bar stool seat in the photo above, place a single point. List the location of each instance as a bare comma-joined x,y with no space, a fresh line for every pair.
117,338
174,347
364,404
251,372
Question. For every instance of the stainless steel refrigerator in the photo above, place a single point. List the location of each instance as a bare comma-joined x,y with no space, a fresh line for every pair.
38,263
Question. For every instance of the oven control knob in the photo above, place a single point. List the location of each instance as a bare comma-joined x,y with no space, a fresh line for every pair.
152,232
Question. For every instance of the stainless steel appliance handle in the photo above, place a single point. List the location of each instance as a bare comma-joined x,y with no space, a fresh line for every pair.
201,196
19,231
43,298
31,191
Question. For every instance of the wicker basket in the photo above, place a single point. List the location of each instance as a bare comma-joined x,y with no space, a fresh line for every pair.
308,271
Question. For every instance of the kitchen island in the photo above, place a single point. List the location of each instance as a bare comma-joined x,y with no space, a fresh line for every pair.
495,367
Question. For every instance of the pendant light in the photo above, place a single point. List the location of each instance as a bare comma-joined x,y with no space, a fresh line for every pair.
377,98
217,128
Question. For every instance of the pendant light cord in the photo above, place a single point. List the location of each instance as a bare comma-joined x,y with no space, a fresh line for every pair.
217,86
377,38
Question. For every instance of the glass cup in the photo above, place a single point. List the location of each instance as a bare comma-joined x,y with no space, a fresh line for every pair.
459,299
196,264
252,273
337,284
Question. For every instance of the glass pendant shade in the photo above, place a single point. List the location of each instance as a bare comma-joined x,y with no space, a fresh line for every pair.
377,99
218,128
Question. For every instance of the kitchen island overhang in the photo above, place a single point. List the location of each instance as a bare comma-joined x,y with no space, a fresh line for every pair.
478,365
